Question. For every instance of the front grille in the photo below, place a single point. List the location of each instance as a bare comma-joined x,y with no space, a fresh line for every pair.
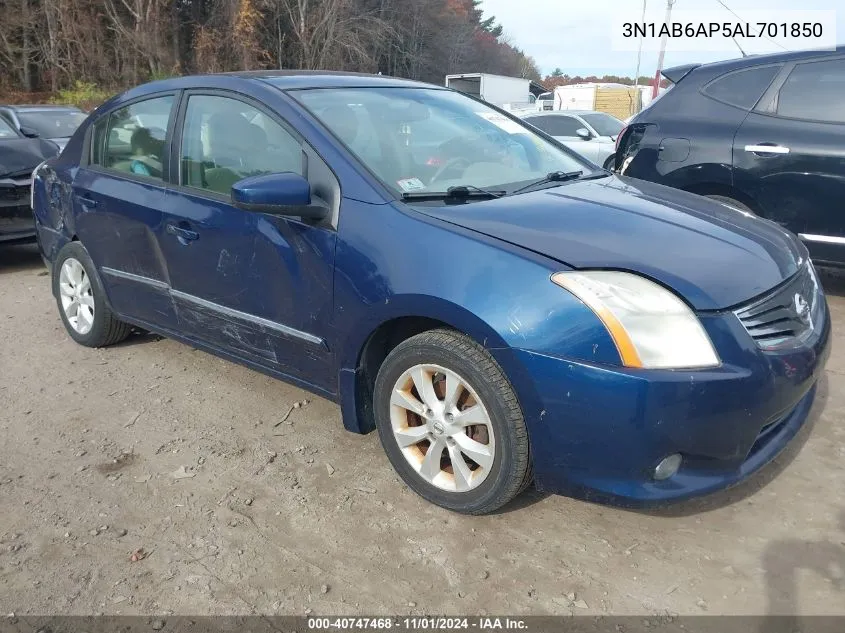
13,193
787,316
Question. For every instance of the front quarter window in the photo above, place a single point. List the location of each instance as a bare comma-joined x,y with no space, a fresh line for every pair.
418,140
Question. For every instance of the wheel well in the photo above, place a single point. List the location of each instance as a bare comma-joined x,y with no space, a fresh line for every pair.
713,189
381,342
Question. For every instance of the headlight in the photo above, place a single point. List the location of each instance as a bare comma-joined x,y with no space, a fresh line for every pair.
651,327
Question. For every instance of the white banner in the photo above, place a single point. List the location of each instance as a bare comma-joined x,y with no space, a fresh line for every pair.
718,30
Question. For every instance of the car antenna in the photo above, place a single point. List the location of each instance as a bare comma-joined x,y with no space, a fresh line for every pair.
739,47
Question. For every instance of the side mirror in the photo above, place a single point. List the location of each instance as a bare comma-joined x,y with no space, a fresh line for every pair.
29,132
583,133
284,193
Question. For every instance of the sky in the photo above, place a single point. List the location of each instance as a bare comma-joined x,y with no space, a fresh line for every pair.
578,35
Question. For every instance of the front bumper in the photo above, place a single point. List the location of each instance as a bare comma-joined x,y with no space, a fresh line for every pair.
597,432
17,224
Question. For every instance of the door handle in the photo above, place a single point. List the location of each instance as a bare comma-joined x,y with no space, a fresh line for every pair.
182,234
85,201
764,148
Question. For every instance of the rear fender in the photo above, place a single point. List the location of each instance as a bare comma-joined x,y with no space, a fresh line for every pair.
52,206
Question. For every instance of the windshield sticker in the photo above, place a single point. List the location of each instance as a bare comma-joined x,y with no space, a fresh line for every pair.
502,122
411,184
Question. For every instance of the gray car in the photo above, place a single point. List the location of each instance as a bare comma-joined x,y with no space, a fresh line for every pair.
591,134
52,122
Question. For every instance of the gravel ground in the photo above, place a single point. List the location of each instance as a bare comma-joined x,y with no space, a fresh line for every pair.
153,478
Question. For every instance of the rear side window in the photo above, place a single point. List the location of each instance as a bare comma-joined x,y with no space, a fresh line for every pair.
743,88
815,92
133,138
556,125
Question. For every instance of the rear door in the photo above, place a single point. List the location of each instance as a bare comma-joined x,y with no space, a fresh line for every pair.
118,199
789,154
256,286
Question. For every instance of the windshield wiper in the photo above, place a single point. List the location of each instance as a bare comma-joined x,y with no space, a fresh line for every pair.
457,193
555,176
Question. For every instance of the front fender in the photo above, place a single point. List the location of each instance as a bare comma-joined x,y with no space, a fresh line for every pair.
393,263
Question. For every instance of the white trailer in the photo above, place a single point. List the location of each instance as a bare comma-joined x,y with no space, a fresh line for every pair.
510,93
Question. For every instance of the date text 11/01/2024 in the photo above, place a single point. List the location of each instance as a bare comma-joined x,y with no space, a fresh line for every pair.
418,623
723,29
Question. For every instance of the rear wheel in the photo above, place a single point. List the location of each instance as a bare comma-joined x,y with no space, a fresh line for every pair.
81,300
451,424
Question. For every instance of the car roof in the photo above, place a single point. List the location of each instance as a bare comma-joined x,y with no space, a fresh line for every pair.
34,107
301,79
678,72
279,79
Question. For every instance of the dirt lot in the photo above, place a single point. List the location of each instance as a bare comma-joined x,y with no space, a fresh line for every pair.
152,445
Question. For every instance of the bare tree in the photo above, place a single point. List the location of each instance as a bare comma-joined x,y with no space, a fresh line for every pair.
52,44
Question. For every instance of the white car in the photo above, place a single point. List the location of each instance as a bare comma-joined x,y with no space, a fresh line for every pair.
591,134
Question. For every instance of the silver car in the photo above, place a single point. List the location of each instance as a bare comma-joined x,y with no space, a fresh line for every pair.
591,134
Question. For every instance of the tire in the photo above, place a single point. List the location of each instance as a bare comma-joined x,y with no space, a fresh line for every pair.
94,327
731,202
499,441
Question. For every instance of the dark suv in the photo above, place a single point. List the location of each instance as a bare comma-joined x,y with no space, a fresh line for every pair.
765,134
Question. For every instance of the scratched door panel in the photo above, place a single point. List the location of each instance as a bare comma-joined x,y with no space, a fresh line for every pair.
252,285
119,222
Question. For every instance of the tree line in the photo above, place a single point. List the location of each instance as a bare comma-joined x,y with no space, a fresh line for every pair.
54,45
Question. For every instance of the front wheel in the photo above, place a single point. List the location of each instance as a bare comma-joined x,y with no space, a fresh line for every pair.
451,424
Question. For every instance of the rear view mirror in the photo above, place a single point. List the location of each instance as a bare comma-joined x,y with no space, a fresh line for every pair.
406,113
284,193
583,133
28,132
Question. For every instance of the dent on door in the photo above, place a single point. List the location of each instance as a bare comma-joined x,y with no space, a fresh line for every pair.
254,285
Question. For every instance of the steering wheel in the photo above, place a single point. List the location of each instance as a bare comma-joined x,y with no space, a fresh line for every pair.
452,163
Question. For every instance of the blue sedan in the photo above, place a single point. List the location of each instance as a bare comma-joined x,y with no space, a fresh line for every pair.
500,310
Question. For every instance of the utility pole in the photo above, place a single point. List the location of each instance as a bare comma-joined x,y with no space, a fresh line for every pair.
640,52
656,89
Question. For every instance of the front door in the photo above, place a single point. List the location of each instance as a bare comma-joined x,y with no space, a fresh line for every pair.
789,155
256,286
119,198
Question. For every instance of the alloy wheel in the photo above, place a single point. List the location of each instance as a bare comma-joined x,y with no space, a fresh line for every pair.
76,295
442,428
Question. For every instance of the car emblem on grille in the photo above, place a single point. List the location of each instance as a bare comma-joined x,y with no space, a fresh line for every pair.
802,308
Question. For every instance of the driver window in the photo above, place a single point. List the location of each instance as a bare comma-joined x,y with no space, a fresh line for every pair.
225,140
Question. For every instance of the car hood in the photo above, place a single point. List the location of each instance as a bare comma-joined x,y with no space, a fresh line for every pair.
712,255
22,155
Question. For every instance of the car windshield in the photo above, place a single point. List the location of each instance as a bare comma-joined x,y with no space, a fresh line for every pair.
604,124
6,130
52,123
419,140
